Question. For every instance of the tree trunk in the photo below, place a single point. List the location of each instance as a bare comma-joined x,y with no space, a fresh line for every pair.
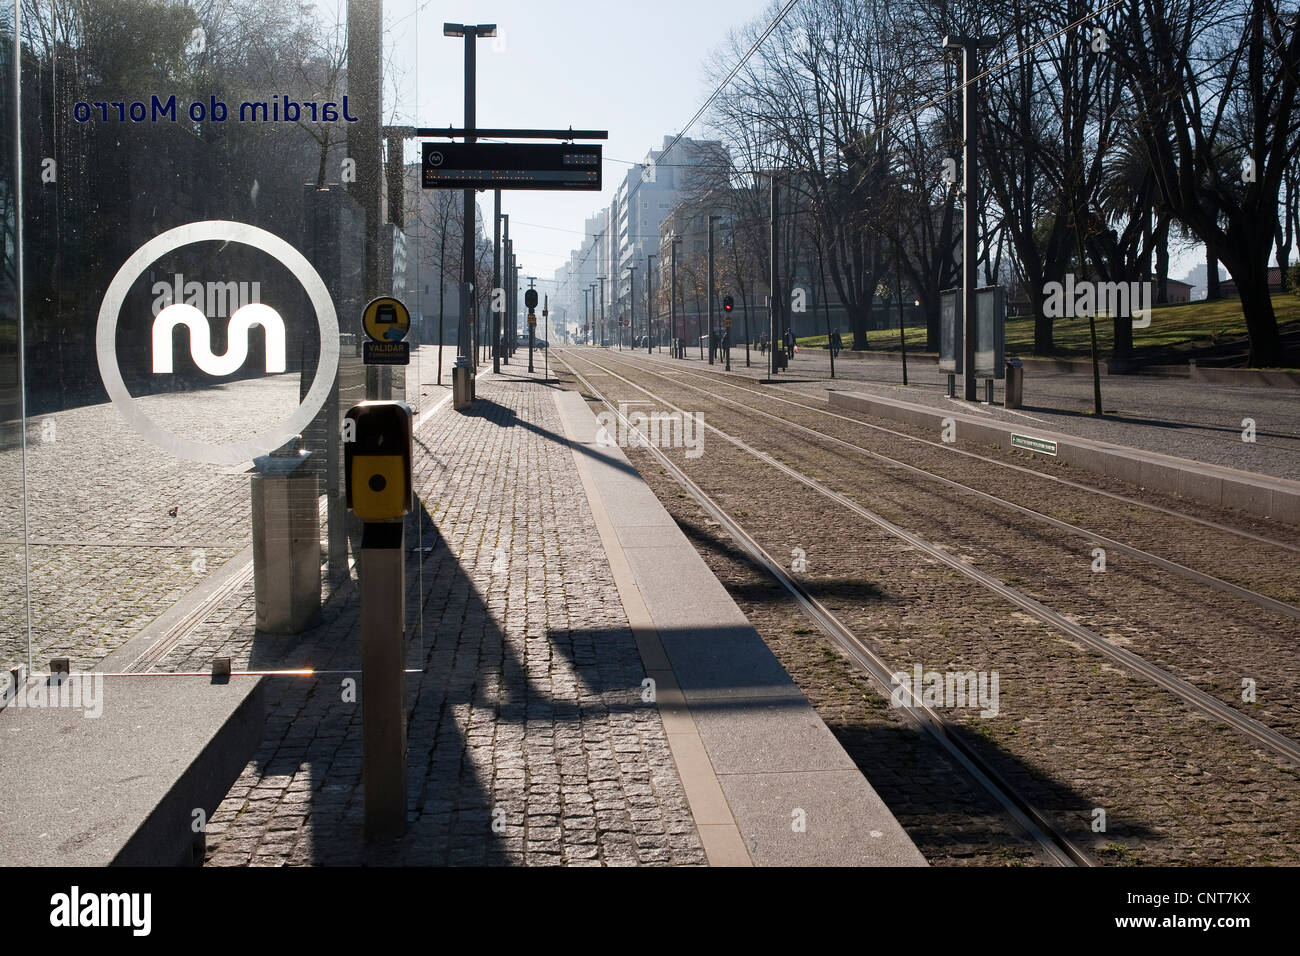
1162,260
1211,273
1257,305
858,316
1044,342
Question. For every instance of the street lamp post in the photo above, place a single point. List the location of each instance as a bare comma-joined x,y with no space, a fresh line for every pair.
672,304
969,48
649,301
774,303
601,280
712,220
506,266
631,300
461,384
496,280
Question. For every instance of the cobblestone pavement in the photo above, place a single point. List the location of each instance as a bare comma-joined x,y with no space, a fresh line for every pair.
107,554
529,742
1177,417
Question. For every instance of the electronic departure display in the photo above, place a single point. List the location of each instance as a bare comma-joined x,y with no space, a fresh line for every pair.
510,166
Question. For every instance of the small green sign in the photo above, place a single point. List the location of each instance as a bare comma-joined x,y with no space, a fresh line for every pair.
1029,443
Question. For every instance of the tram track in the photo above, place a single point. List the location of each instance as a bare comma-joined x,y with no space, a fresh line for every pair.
1208,644
730,379
1199,577
1055,845
1256,732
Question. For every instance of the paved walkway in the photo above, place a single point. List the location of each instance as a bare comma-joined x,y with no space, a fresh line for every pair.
1195,420
529,739
118,532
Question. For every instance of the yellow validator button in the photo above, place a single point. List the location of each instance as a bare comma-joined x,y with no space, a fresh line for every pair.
379,486
377,451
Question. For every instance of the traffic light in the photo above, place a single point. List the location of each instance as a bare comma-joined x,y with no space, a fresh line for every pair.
726,303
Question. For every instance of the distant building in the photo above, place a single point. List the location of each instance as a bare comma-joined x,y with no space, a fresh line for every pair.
1228,287
622,234
1178,291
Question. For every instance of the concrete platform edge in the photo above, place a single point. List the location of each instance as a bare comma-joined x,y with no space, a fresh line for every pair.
1265,496
777,755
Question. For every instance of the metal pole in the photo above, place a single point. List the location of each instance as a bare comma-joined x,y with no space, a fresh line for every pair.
496,280
631,300
970,205
532,323
601,280
711,220
467,239
649,302
672,303
970,47
383,698
772,284
364,138
503,284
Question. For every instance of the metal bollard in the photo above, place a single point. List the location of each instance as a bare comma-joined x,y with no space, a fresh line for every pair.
286,541
461,395
1014,387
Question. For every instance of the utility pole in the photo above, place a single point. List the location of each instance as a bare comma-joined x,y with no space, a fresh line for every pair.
503,284
495,334
514,321
969,48
774,305
631,302
712,220
649,301
532,318
462,387
672,295
365,29
601,279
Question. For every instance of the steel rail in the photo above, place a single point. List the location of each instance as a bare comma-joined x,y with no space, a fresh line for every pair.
1057,846
1256,731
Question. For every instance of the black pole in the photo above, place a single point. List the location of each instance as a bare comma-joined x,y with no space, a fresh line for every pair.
710,297
649,304
496,280
467,239
772,284
672,299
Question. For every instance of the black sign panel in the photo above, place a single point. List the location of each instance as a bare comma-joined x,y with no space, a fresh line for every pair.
386,353
510,166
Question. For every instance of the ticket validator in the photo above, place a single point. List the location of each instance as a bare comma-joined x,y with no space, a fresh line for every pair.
377,440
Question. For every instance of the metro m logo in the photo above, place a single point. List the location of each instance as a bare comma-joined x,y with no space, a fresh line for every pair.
239,325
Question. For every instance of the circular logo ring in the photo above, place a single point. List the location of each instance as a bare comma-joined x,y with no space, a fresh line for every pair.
231,453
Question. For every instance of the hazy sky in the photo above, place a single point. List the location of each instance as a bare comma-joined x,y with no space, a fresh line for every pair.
632,69
635,70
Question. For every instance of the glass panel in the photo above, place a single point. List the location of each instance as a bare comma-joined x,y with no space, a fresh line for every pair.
14,647
206,215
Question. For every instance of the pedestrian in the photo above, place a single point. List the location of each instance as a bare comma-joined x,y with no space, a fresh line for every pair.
789,343
837,343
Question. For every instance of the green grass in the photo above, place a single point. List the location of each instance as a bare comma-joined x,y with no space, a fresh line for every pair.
1176,331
